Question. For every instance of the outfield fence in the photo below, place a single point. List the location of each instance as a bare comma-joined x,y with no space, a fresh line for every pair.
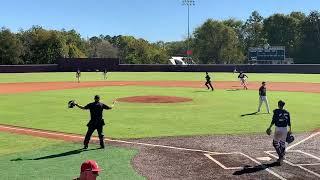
97,64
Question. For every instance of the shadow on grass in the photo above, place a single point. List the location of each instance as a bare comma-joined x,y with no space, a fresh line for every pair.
249,114
202,91
233,89
254,113
68,153
249,169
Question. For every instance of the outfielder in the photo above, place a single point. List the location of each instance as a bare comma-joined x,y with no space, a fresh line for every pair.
263,97
105,74
96,122
208,82
78,74
281,119
242,78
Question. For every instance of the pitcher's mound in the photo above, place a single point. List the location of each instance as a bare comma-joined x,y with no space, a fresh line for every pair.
154,99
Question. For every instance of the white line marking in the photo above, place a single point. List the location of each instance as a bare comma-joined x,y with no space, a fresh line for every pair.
113,140
314,164
308,154
267,169
314,173
220,164
137,143
303,140
291,164
264,158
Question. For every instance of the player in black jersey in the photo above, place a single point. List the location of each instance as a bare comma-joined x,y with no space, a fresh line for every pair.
263,97
78,75
243,81
96,121
105,74
208,82
281,120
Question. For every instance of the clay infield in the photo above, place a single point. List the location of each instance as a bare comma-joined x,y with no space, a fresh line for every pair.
13,88
199,157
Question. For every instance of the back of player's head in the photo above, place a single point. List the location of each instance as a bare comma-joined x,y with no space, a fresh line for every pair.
281,104
206,72
263,83
96,98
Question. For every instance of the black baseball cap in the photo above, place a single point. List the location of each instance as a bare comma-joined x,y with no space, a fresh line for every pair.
281,103
96,97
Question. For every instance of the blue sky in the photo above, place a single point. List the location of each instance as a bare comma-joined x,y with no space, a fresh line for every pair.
150,19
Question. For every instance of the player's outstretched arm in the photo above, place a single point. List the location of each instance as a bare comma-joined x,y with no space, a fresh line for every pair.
79,106
113,103
109,107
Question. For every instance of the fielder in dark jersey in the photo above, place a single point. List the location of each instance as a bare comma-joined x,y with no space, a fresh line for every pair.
242,78
78,75
96,121
281,119
263,97
208,81
105,73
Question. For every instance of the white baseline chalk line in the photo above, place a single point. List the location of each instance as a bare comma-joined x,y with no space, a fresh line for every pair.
311,155
303,140
113,140
237,168
267,169
220,164
291,164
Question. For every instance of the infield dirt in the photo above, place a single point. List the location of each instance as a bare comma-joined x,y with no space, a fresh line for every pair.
12,88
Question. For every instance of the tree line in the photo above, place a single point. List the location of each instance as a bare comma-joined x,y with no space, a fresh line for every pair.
213,42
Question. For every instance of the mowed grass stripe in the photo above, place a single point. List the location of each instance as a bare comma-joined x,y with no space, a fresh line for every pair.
154,76
215,112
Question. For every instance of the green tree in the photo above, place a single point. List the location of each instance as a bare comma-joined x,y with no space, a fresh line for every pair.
75,46
310,46
101,48
253,31
176,48
42,46
11,48
215,42
283,30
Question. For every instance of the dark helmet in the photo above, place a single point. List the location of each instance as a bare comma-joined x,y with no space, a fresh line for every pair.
281,103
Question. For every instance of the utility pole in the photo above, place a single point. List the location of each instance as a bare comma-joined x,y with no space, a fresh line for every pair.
188,3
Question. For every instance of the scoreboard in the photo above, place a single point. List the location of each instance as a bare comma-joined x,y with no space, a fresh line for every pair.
271,53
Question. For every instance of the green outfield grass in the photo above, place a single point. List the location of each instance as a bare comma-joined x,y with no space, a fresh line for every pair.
153,76
24,157
215,112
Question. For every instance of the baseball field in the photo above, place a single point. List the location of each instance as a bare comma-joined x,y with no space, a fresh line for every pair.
214,135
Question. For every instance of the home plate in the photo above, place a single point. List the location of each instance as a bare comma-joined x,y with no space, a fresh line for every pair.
264,158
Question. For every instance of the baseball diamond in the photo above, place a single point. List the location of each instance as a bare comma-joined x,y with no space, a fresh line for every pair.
213,135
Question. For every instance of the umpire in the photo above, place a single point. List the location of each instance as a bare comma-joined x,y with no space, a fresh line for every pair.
96,122
281,119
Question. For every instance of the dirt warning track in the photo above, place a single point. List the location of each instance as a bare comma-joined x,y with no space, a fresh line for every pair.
12,88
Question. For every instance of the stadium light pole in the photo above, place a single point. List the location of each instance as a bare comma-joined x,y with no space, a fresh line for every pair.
188,3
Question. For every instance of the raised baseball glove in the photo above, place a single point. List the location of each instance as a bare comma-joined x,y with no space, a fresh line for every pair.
71,104
268,131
